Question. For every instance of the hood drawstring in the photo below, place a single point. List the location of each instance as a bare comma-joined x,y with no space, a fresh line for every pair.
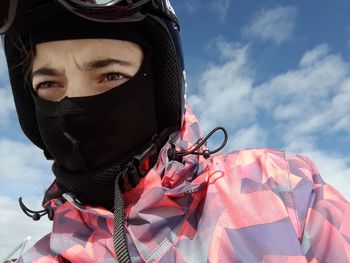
36,215
173,154
52,192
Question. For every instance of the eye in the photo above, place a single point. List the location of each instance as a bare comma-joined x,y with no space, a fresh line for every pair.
113,76
47,85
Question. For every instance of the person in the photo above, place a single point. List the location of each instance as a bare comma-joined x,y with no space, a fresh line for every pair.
100,87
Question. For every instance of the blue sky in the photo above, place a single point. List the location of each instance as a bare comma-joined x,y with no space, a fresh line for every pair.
274,73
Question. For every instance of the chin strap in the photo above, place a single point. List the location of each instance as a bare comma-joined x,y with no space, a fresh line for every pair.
173,154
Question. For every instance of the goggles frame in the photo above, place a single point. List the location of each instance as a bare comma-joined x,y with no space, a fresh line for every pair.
87,4
111,11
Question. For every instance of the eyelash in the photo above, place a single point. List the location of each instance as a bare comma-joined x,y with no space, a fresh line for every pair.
120,76
41,85
104,78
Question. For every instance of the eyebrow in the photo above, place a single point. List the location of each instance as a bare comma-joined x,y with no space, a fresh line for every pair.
102,63
91,65
45,71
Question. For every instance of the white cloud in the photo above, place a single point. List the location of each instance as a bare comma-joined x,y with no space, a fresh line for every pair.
6,100
251,137
220,7
275,24
3,65
304,104
15,226
225,89
23,169
311,99
312,56
7,106
191,5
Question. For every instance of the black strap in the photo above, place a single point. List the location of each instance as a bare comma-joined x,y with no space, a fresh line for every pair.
119,237
136,169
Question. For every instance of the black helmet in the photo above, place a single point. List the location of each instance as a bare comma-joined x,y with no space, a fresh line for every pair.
156,18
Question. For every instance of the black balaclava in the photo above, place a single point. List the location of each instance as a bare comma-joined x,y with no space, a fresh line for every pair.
92,138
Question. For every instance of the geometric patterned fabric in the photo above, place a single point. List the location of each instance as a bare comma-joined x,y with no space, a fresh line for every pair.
256,205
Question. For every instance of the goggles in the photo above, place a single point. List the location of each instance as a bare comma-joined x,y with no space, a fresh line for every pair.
97,10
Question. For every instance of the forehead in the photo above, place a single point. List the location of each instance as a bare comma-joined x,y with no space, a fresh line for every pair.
82,50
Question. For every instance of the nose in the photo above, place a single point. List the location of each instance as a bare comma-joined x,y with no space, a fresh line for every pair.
79,85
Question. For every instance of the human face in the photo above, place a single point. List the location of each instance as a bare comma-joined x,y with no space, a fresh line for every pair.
85,67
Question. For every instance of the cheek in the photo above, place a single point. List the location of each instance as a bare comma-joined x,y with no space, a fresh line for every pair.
106,86
51,94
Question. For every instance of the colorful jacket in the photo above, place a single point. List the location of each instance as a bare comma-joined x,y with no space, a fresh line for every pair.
257,205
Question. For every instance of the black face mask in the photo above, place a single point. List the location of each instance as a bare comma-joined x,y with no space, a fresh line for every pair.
89,136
